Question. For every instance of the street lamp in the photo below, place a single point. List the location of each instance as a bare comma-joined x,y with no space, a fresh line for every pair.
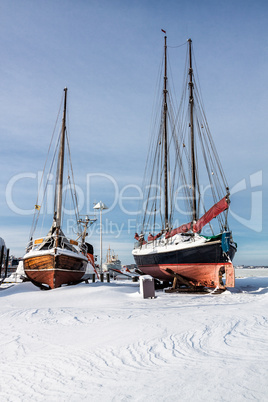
100,206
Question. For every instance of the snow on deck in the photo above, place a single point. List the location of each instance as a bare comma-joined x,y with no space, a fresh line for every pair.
103,342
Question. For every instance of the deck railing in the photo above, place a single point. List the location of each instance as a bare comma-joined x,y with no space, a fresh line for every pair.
49,242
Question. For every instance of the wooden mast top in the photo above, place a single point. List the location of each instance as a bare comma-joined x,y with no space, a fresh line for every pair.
61,164
191,103
165,140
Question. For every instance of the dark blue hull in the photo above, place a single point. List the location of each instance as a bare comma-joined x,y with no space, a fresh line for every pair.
203,265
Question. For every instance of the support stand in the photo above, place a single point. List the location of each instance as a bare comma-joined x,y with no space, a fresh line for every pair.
181,284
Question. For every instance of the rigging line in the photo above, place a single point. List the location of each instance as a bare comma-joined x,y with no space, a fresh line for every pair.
214,186
181,142
145,182
36,216
171,85
209,136
201,139
49,173
153,210
73,190
173,140
158,87
217,159
172,122
212,166
157,185
64,201
197,170
174,47
182,115
181,108
219,217
197,80
178,166
150,160
183,119
153,186
57,175
153,164
213,157
68,183
154,159
182,175
74,198
157,107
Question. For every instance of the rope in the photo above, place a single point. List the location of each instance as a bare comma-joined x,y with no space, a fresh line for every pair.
174,47
37,211
70,179
179,161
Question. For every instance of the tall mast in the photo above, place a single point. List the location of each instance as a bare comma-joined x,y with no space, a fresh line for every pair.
191,103
61,164
165,139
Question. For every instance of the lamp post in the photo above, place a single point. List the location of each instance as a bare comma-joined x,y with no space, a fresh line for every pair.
100,205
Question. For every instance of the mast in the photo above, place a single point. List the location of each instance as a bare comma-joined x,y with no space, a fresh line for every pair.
165,140
191,103
61,165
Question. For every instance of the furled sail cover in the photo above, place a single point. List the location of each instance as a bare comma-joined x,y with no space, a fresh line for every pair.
181,229
151,237
214,211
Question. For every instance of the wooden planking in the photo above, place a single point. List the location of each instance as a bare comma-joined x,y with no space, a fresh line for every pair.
54,270
39,262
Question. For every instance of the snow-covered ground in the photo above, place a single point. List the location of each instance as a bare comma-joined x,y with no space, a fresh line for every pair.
103,342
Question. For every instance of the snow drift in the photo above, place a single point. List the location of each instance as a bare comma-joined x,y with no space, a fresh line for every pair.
104,342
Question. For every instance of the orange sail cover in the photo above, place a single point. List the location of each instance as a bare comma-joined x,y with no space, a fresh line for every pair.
214,211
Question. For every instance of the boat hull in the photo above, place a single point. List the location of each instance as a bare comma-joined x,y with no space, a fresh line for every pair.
202,265
54,270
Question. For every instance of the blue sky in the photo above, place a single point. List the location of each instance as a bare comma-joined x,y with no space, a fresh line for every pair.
108,53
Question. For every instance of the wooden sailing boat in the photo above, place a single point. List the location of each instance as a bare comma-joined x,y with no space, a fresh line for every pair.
182,252
54,260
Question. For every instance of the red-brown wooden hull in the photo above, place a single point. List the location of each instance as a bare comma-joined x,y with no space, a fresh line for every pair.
54,270
199,274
